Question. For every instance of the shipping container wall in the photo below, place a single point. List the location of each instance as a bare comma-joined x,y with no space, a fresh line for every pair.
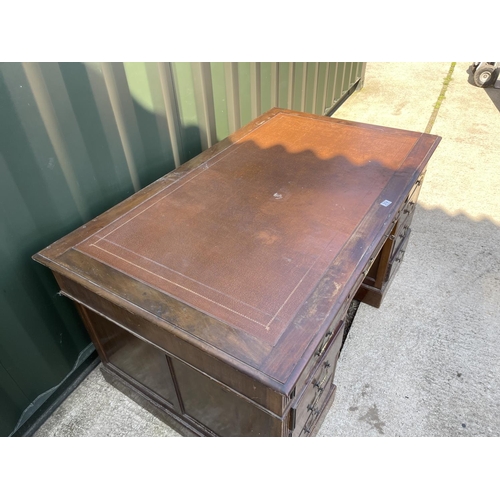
77,138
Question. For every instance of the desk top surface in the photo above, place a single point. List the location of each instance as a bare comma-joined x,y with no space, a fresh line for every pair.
257,239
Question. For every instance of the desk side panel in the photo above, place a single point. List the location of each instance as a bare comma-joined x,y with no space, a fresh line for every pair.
156,333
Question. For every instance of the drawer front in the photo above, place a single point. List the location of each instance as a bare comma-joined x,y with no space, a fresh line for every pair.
398,256
312,425
405,218
401,235
307,409
335,330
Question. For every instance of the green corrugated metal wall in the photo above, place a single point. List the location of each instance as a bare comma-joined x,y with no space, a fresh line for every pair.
77,138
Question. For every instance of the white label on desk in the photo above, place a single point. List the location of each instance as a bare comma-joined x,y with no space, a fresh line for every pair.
386,203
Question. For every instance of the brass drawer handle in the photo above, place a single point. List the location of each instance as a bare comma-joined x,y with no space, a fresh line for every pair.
312,406
403,234
313,409
410,208
393,223
322,348
335,327
319,385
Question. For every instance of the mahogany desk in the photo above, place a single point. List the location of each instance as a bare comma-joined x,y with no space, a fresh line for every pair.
216,296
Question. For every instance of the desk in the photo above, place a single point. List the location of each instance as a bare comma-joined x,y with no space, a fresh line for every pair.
216,296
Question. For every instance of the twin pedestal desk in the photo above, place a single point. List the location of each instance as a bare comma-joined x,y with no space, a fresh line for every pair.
216,296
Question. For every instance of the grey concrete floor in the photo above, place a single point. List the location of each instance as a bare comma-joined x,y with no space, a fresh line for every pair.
427,362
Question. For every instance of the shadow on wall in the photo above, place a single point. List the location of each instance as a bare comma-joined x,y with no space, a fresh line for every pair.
70,148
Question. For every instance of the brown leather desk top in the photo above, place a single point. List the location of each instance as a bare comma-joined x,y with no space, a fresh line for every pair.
256,240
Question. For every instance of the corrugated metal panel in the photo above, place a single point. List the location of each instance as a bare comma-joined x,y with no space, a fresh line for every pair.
75,139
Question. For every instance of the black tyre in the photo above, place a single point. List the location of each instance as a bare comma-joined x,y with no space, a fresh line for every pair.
482,75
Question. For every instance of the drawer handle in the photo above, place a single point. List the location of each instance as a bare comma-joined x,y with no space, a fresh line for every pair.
319,385
393,223
333,329
403,234
409,209
401,256
322,348
313,409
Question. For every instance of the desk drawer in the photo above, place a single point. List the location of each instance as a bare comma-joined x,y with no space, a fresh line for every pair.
312,425
307,409
399,254
411,201
403,230
335,331
405,215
